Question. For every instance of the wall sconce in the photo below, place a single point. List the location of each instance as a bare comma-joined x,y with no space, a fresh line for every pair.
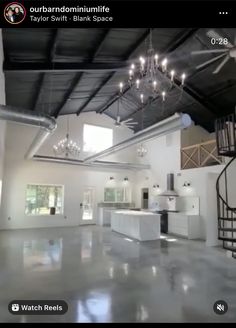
112,178
186,184
156,189
125,181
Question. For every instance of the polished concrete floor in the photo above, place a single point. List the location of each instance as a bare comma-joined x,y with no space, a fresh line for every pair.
106,277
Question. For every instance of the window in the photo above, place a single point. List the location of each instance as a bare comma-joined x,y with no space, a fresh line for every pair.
119,195
40,199
109,195
96,138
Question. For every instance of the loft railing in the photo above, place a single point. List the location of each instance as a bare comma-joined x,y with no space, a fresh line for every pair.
200,155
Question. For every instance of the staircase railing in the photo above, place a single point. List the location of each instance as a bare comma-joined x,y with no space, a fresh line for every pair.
226,145
225,129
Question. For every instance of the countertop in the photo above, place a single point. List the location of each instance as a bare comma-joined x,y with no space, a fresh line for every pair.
137,213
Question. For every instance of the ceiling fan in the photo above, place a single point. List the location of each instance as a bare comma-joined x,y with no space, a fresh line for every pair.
126,123
228,52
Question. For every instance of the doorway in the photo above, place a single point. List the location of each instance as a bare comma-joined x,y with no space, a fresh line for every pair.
87,207
144,198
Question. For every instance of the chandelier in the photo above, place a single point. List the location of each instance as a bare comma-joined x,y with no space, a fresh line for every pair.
141,150
151,78
66,146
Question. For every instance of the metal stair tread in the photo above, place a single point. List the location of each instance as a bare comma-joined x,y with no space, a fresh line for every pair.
227,219
228,239
230,248
227,229
228,153
231,208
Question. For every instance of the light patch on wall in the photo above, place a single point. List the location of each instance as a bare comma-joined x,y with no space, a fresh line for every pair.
0,192
169,140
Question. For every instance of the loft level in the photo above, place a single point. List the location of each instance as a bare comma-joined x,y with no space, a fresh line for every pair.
200,155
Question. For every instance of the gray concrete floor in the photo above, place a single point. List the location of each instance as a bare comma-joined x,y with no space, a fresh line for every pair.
106,277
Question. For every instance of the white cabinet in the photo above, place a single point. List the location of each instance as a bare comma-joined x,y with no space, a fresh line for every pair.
138,225
184,225
104,216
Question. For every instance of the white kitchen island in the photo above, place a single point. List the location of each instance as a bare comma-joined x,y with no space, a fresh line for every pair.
139,225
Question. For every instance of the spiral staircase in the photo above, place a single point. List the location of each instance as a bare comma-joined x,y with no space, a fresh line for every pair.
226,145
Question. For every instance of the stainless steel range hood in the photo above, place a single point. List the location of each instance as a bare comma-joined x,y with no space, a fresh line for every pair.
170,191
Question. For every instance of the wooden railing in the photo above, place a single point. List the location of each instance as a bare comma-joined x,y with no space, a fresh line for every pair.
200,155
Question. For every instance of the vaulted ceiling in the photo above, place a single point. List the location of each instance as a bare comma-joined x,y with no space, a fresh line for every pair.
70,71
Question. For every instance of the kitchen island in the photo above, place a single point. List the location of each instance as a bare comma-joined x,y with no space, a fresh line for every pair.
139,225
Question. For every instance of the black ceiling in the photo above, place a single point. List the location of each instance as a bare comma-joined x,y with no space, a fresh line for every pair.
65,71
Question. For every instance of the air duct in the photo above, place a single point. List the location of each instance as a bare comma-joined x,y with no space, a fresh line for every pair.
171,124
46,124
97,164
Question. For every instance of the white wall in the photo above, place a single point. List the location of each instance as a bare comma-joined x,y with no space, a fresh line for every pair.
212,222
19,172
199,187
194,135
2,123
164,157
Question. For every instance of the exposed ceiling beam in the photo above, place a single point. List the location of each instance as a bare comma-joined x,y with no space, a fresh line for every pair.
129,52
79,76
39,67
174,44
228,86
93,94
50,55
180,39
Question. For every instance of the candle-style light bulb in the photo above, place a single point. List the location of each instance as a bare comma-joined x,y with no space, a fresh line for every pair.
137,84
183,77
154,85
163,95
156,59
164,64
121,87
172,74
132,66
142,61
131,73
141,97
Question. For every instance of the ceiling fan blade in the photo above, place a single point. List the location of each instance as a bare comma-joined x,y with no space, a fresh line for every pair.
224,61
213,34
131,123
228,45
129,119
118,119
210,61
210,51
